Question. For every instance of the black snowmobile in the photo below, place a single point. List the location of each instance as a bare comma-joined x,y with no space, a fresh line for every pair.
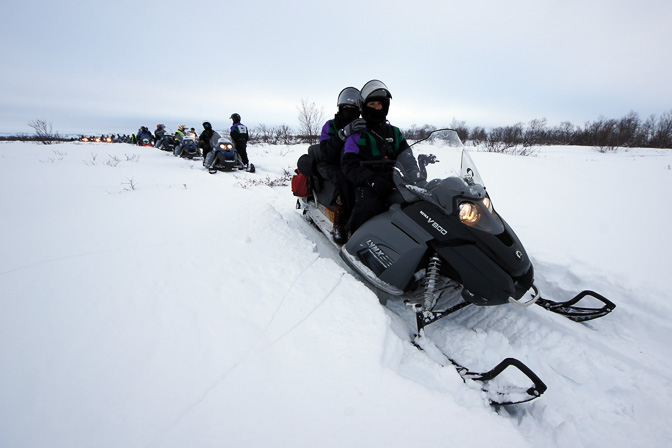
440,247
224,156
166,142
187,148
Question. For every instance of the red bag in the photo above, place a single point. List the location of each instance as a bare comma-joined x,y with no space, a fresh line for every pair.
300,186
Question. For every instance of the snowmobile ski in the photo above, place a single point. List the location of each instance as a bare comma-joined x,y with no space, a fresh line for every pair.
497,394
576,313
567,309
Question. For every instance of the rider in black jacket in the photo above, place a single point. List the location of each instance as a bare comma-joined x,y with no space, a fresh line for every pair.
204,139
380,141
332,140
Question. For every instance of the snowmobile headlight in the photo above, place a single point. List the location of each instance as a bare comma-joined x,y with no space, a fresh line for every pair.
488,204
470,213
222,146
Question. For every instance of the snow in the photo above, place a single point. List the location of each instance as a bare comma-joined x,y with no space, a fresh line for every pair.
147,303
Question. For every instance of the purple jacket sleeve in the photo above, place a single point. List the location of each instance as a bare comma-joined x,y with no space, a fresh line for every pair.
350,162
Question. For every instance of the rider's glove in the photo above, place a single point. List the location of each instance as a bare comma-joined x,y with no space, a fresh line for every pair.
381,184
355,126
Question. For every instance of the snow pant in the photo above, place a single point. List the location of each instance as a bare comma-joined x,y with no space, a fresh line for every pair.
242,150
206,151
367,205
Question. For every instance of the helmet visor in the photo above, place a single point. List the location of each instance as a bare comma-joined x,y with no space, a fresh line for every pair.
374,88
348,97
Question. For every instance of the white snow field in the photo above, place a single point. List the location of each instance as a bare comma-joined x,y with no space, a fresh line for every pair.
147,303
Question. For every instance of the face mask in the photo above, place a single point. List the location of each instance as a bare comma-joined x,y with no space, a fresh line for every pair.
348,114
374,116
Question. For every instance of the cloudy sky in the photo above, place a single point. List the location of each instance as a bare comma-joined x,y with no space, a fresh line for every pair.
111,66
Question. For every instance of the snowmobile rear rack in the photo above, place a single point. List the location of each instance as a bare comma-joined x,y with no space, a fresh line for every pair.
576,313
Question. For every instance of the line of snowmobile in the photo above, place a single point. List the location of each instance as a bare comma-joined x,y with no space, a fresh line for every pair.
222,156
440,247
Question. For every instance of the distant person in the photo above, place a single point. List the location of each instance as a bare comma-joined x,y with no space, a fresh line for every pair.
159,132
179,134
240,136
144,133
204,139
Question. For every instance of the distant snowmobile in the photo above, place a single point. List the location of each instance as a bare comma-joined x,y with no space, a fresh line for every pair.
146,141
166,142
440,247
224,156
187,148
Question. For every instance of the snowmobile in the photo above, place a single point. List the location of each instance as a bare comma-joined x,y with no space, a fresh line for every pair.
442,246
167,141
146,141
187,148
224,156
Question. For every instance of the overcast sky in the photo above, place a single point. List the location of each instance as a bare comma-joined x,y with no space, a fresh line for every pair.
96,67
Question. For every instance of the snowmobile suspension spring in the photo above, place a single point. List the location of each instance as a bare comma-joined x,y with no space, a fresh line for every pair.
431,280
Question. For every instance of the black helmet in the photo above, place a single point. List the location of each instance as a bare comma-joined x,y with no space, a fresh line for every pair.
348,97
207,125
235,118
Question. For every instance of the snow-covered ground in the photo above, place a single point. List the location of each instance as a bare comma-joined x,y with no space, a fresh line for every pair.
147,303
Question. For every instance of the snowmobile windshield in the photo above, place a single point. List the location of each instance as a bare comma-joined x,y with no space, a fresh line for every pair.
433,177
214,139
468,171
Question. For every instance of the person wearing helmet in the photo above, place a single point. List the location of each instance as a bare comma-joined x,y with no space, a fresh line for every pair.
204,139
334,133
380,141
240,136
179,134
144,133
159,132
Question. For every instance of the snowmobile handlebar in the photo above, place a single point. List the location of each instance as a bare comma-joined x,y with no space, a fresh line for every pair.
381,163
